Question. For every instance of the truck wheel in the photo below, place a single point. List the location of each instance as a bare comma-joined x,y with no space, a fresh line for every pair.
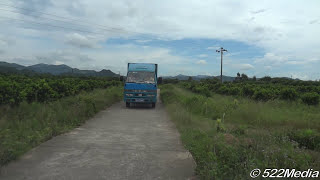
127,104
153,105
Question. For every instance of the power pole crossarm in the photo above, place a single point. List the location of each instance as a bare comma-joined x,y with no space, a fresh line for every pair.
221,52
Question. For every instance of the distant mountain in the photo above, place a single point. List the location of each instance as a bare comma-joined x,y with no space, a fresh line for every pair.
199,77
226,78
11,65
105,72
52,69
203,76
14,68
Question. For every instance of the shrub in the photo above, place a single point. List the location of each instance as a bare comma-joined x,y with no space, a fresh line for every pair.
185,85
234,91
241,130
223,90
288,94
304,89
306,138
266,78
192,85
190,102
263,94
247,91
167,96
205,91
311,98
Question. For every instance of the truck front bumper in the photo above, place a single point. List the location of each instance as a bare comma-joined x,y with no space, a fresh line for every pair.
140,100
140,97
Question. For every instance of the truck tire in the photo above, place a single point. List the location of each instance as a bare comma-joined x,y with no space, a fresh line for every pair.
153,105
127,104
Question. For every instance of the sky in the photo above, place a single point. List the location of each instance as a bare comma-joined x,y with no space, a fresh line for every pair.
263,38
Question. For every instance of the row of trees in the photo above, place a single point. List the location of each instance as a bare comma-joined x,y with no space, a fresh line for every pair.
17,88
262,90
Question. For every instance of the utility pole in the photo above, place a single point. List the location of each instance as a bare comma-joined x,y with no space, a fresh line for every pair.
221,52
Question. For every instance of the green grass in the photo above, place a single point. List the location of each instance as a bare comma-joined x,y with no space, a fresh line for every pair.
228,136
27,125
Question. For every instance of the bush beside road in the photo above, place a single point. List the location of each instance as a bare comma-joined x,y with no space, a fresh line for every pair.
229,136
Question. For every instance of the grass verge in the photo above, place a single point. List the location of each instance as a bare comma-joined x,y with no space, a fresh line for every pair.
229,137
27,125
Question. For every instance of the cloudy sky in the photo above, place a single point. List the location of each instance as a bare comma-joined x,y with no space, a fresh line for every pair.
271,37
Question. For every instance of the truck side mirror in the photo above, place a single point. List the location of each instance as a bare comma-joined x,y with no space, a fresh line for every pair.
121,78
159,80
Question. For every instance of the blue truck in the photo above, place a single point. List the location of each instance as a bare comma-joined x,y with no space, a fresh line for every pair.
141,84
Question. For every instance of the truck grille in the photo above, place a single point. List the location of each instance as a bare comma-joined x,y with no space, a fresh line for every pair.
138,91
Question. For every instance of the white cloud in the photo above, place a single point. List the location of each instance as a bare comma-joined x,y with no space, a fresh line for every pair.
213,48
299,76
58,63
279,60
143,40
3,42
201,62
314,21
159,19
268,67
81,41
272,59
287,35
203,55
245,67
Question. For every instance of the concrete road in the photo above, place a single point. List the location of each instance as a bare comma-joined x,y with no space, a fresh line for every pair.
118,143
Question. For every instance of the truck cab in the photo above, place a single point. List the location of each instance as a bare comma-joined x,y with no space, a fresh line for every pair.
141,84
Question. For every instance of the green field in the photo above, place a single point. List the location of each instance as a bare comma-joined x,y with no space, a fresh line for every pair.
229,135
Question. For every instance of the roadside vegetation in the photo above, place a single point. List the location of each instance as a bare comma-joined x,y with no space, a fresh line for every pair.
264,89
16,88
229,135
25,125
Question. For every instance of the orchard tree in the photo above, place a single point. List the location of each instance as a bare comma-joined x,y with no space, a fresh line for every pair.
244,77
238,78
254,78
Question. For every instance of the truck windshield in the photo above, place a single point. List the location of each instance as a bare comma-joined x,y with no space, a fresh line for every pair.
140,77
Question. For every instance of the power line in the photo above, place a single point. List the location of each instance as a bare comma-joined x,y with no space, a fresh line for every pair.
101,27
110,30
56,26
105,28
62,17
32,22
